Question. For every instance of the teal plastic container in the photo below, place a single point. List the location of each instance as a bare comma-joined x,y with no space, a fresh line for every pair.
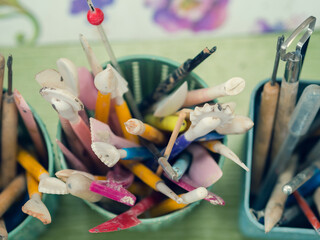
247,222
29,228
143,74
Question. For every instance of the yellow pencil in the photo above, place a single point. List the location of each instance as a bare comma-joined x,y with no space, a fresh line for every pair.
166,206
166,123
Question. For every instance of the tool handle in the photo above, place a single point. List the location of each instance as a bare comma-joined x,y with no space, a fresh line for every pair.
124,115
263,132
102,107
32,185
286,104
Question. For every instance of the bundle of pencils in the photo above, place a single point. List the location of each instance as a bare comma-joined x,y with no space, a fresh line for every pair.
21,138
155,155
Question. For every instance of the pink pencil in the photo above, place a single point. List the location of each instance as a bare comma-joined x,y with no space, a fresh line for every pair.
31,125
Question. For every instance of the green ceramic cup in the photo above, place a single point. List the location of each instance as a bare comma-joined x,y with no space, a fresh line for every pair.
146,71
25,227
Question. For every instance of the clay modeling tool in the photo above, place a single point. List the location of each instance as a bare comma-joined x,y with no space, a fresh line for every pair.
172,102
34,206
218,147
211,136
3,230
203,120
264,126
110,81
166,123
30,123
115,187
101,132
2,70
163,161
110,155
129,218
102,106
229,88
68,106
187,184
175,77
301,120
88,92
182,163
47,184
290,81
203,170
298,180
144,130
9,133
11,193
275,205
71,158
238,125
308,212
78,185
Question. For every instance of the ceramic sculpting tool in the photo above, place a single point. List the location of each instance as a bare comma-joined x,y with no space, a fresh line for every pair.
175,77
203,120
9,133
182,163
203,170
166,123
308,212
129,218
217,147
211,136
301,119
136,127
110,81
115,187
3,230
71,158
78,185
2,70
30,123
68,106
187,184
171,103
290,81
47,184
102,106
163,161
34,206
298,180
168,205
110,155
88,92
264,127
276,203
229,88
101,132
238,125
12,192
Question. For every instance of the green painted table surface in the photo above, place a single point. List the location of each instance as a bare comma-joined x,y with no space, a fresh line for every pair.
251,58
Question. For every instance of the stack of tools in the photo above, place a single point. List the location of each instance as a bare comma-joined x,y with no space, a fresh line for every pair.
26,158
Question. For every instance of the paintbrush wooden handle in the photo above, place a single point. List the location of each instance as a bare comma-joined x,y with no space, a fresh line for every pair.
11,193
9,140
287,102
263,132
103,107
32,185
30,164
124,115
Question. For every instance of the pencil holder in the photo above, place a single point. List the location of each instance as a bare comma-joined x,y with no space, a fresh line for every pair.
143,74
248,218
21,226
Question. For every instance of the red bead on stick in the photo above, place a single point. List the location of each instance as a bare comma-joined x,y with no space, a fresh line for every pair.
95,17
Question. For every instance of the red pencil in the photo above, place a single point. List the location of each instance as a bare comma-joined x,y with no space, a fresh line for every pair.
307,211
